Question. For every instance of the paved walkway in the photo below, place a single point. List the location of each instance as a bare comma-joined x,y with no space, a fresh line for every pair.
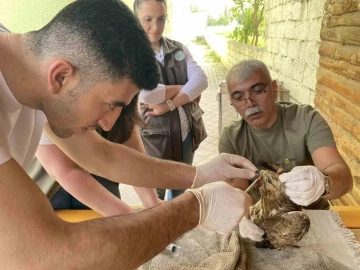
208,148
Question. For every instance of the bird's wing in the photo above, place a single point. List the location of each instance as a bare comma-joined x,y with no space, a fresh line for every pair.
286,229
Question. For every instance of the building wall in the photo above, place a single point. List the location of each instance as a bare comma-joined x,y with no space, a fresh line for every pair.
21,16
292,42
338,84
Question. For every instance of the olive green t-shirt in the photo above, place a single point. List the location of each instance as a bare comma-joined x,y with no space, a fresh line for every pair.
298,131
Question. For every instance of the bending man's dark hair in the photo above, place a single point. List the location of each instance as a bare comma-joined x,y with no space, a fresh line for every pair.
102,39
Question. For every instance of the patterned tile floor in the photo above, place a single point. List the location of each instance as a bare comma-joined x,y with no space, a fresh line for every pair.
208,148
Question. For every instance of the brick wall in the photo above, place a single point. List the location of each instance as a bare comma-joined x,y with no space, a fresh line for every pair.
292,42
338,84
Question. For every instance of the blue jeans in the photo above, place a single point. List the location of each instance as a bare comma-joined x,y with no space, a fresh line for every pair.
64,200
188,157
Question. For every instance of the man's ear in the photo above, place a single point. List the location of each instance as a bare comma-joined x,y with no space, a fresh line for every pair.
61,73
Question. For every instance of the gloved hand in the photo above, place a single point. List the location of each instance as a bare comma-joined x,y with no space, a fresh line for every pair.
223,167
304,184
249,229
221,206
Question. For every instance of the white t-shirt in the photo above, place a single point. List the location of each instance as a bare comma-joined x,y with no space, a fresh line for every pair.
20,128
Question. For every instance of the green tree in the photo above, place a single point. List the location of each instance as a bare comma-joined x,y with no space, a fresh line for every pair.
250,15
194,8
222,19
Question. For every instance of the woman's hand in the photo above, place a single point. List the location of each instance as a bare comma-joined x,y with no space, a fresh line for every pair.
156,109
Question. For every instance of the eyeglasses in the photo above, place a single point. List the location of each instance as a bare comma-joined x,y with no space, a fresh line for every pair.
149,21
257,92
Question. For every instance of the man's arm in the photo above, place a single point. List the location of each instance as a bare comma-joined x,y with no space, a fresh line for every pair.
225,146
329,161
33,237
124,165
121,164
305,184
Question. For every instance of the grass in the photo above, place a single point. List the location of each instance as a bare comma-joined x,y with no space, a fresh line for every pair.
261,40
211,56
200,40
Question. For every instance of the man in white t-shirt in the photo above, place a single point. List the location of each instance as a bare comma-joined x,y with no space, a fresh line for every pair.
81,69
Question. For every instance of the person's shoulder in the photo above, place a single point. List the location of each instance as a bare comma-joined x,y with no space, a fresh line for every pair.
293,110
289,106
172,41
233,127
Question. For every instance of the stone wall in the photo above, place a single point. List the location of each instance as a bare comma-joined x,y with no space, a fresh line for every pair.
338,84
292,42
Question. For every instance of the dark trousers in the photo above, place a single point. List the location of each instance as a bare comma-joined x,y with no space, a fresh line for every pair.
188,157
64,200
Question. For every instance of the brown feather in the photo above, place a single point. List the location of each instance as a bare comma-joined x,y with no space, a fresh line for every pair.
282,220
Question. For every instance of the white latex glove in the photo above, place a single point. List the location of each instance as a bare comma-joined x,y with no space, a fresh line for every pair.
221,206
249,229
304,184
223,167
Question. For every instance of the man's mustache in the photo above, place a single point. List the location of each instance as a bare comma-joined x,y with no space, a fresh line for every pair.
253,110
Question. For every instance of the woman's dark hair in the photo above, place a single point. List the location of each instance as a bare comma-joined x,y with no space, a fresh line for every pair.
137,3
124,125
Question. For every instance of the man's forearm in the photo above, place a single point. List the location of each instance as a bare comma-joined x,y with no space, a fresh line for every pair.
123,242
144,171
122,164
341,180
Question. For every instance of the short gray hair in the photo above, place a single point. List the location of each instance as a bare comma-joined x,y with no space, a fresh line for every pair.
244,69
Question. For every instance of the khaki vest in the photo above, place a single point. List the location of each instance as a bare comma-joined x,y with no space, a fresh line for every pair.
162,134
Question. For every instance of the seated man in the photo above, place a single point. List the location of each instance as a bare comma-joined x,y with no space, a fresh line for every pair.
293,137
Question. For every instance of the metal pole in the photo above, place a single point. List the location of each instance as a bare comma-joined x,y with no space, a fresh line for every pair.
219,99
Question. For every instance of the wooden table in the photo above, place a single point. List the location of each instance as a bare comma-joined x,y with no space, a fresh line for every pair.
350,215
77,215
